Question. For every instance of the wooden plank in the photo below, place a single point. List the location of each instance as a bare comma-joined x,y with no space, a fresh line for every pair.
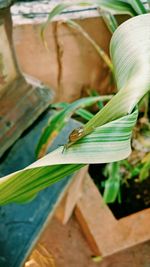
21,105
8,70
95,218
107,235
74,192
136,228
21,102
71,81
40,9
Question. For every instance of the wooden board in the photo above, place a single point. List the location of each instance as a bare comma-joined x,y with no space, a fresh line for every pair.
68,203
72,75
21,104
21,101
8,70
107,235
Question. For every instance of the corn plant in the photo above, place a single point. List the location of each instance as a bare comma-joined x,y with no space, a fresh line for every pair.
106,136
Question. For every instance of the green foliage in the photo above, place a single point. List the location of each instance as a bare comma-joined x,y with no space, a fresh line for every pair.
118,173
106,136
109,20
145,170
112,184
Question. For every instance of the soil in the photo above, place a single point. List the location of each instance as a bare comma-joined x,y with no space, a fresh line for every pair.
135,195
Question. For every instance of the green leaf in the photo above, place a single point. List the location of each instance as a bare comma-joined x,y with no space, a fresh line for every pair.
137,5
145,171
27,183
109,20
59,105
131,68
116,7
85,114
113,6
112,184
99,50
58,9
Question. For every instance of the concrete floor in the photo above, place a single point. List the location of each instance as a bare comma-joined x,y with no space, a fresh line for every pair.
68,248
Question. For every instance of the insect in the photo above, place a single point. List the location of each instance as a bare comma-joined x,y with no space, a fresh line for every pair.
74,136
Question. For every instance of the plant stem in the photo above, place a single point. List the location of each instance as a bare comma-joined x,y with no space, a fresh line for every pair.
109,20
99,50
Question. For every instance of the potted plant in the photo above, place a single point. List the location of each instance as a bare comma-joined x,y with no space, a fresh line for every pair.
87,213
87,219
106,137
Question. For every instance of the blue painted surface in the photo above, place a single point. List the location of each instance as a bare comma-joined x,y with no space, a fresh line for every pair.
21,224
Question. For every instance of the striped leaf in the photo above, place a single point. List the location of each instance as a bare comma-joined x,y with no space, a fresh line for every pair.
116,6
137,5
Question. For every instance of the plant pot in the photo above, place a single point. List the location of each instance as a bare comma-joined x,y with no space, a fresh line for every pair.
107,235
